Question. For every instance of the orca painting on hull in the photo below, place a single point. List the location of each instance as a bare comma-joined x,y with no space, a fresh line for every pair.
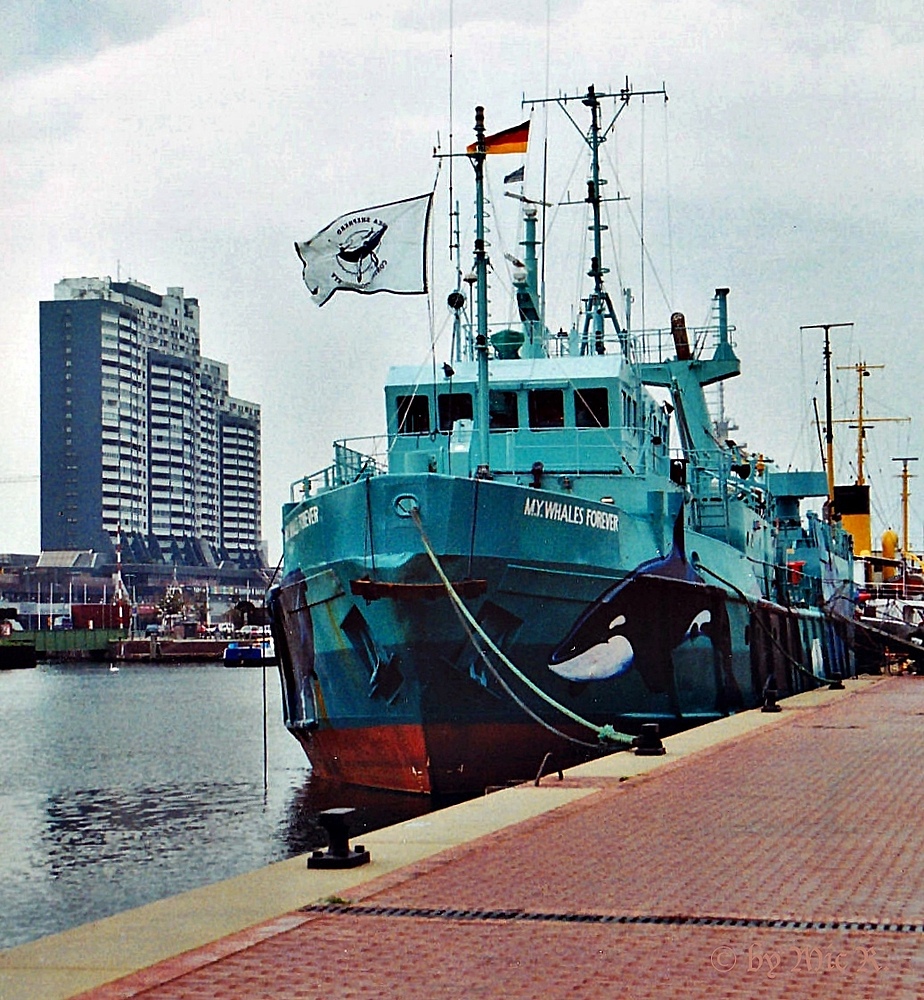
639,621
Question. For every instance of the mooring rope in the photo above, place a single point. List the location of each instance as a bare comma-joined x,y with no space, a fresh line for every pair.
604,733
509,691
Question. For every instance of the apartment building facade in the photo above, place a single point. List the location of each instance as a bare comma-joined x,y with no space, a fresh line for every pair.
140,437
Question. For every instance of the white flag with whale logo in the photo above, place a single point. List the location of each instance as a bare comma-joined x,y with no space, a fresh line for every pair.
378,249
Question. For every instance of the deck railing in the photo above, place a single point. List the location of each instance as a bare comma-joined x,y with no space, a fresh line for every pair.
350,464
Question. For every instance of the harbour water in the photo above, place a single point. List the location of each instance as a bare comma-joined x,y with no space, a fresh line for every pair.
122,787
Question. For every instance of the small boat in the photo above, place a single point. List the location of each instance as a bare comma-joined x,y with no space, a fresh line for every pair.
249,653
530,569
17,649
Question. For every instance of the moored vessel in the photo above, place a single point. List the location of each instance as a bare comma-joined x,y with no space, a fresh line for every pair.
249,653
17,649
529,568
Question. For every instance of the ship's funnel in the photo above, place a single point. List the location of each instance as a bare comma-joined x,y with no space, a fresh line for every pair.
681,340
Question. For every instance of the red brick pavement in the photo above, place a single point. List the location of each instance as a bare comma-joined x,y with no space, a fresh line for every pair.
818,820
371,957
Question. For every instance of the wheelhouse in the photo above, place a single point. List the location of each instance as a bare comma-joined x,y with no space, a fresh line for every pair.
574,415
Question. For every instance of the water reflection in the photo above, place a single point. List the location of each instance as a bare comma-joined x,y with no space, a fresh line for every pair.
99,826
120,789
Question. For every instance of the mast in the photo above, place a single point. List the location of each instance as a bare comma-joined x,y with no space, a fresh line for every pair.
906,494
597,270
598,304
862,425
456,300
481,292
829,418
862,369
119,593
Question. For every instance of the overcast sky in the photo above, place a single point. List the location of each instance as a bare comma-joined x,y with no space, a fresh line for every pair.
191,142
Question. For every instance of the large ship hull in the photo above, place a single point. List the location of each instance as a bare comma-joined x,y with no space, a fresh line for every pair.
386,684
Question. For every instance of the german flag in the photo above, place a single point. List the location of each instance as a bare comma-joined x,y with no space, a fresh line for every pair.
511,140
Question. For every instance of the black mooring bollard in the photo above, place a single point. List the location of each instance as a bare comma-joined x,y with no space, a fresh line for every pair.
835,681
648,742
339,854
771,693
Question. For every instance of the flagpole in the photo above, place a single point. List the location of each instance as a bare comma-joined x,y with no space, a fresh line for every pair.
481,278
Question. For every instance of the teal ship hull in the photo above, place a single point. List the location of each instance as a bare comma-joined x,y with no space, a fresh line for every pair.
385,686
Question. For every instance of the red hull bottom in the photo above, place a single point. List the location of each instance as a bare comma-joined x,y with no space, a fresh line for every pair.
443,759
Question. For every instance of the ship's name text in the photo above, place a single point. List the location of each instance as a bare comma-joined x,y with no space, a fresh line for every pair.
309,516
556,510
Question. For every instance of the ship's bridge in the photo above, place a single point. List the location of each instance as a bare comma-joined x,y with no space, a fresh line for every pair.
571,414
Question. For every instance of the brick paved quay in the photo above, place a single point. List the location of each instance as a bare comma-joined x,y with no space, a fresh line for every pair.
777,856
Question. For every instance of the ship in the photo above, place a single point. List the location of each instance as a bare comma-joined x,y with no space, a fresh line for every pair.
256,652
558,546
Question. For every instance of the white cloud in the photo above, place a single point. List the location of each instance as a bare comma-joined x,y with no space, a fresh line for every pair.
48,32
196,147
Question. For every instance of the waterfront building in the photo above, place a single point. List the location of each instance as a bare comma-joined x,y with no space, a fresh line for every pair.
139,433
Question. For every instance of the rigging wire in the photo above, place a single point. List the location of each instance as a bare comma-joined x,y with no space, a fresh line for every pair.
670,226
579,275
638,226
497,232
617,230
545,164
451,112
642,210
430,264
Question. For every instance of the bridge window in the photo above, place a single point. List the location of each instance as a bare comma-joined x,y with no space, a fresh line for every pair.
503,408
454,406
546,408
629,410
413,415
591,408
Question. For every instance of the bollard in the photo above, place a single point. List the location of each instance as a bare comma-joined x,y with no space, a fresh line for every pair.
339,854
648,742
771,693
835,681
